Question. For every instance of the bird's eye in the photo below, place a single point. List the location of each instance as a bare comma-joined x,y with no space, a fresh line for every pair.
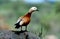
34,8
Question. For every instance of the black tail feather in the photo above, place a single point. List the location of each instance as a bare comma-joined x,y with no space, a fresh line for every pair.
17,25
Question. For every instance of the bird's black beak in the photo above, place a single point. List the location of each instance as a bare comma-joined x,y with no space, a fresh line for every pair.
37,10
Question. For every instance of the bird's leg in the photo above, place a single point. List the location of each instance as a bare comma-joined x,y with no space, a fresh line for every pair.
26,28
21,28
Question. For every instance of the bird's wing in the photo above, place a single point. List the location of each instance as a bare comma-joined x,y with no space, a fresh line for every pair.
20,19
18,22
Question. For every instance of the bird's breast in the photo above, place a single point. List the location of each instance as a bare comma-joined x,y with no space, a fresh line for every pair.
26,20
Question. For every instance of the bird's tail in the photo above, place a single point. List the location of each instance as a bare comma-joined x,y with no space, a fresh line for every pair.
17,25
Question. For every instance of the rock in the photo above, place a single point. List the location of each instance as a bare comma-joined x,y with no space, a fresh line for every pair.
8,34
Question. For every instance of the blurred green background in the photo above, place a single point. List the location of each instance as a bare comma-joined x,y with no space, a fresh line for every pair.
48,17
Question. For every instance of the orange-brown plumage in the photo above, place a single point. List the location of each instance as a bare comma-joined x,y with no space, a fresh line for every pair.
25,20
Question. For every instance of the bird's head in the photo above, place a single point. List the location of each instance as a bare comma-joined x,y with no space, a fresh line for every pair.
32,9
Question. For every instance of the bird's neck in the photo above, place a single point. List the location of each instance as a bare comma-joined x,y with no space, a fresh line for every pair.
31,11
29,14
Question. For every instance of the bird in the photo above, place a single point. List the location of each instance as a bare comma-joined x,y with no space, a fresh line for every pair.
25,20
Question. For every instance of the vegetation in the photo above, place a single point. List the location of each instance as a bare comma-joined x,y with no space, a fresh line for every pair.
48,17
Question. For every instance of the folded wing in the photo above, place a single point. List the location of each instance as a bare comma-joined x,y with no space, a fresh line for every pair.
19,22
